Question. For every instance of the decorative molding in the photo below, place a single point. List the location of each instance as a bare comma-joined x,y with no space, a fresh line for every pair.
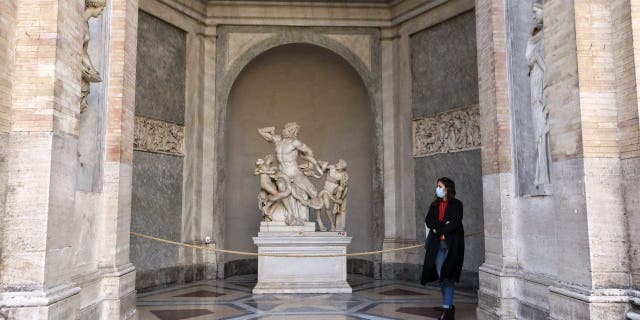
239,43
359,44
158,136
451,131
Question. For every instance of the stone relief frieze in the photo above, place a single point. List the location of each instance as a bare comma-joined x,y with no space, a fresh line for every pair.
451,131
158,136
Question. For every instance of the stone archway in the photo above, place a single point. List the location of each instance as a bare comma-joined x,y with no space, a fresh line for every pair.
227,74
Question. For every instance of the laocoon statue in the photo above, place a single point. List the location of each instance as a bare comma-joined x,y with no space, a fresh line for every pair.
286,191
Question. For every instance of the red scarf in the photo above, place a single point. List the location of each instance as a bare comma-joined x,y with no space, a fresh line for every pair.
441,208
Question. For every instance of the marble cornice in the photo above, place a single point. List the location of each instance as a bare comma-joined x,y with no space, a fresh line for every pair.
297,13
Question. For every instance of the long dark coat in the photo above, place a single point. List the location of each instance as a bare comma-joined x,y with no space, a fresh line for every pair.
453,235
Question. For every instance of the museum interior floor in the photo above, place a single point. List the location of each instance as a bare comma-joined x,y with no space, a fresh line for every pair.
232,299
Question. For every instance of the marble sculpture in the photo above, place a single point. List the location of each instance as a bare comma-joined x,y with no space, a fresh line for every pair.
93,9
540,113
286,191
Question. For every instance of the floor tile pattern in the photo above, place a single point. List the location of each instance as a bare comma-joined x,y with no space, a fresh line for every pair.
232,299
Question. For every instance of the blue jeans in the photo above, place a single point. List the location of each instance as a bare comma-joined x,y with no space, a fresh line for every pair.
447,286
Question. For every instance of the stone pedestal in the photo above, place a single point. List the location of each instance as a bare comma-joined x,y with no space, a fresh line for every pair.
301,275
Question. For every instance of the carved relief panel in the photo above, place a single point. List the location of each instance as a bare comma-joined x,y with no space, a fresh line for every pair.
158,136
451,131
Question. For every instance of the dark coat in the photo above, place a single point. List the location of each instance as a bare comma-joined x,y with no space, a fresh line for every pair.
453,235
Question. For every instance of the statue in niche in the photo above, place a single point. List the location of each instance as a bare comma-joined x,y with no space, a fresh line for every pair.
286,191
334,197
303,193
93,9
535,55
272,189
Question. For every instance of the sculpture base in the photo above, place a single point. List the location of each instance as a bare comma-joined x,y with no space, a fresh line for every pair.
304,274
276,226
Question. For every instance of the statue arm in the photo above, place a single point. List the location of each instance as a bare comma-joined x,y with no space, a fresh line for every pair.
267,133
307,153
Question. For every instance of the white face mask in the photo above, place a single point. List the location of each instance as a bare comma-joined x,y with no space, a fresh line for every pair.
440,192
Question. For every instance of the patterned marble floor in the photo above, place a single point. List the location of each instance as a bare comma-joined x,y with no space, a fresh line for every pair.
232,299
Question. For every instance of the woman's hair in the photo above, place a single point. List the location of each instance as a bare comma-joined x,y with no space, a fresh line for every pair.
450,188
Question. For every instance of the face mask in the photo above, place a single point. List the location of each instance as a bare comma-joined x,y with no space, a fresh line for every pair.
440,193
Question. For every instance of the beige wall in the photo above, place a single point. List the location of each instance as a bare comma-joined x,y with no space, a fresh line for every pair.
319,90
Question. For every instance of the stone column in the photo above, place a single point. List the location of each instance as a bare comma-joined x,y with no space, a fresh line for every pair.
197,181
209,217
588,100
8,12
211,213
37,226
497,275
630,155
399,210
114,222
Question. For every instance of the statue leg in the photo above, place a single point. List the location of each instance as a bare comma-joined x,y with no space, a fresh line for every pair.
341,215
330,217
319,220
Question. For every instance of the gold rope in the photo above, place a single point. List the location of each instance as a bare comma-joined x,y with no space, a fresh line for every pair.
243,253
273,254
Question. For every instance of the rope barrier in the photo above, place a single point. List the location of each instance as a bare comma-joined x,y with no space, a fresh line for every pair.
256,254
273,254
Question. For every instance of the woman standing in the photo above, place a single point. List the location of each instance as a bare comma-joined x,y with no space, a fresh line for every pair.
445,244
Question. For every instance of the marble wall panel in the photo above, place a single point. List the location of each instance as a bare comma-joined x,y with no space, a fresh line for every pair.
156,209
444,67
160,70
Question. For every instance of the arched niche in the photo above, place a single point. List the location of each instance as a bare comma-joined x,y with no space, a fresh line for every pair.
230,78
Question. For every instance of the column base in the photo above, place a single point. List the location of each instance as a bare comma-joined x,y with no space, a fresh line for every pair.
578,303
61,302
119,293
496,296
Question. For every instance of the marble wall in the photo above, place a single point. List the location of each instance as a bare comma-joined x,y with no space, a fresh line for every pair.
444,69
320,91
156,207
160,70
156,210
444,73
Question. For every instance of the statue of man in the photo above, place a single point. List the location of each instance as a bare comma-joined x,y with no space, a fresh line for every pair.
333,196
537,69
288,149
93,9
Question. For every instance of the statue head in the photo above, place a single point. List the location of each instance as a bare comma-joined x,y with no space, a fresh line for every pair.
93,8
268,159
341,165
290,130
537,13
